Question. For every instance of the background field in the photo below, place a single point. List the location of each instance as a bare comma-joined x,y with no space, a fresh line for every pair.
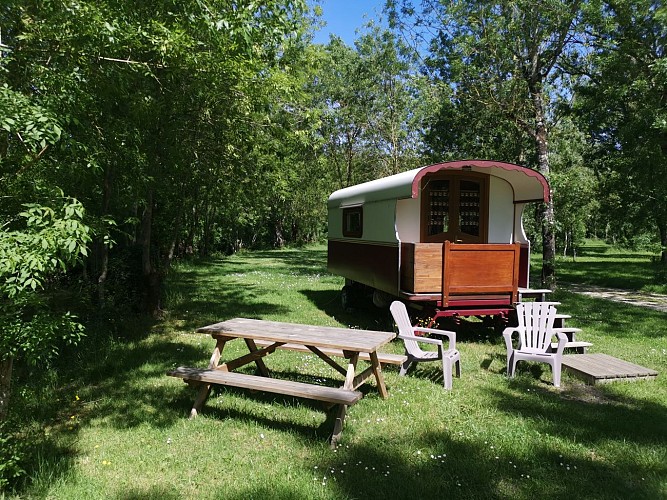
108,423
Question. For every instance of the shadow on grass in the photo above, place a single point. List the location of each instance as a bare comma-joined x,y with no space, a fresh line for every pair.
451,466
279,420
304,261
585,415
152,493
204,301
364,315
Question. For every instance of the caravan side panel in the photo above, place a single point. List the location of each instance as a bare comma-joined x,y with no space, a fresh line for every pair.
372,263
372,258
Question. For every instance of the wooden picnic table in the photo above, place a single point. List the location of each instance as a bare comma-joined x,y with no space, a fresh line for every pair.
272,335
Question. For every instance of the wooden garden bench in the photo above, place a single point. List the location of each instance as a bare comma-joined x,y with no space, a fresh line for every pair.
263,338
333,395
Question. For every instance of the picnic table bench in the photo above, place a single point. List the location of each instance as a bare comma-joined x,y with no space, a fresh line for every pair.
270,335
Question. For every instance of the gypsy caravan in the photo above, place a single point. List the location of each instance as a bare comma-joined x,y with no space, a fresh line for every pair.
447,236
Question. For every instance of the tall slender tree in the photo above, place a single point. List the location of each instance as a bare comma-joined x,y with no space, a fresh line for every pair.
504,56
622,103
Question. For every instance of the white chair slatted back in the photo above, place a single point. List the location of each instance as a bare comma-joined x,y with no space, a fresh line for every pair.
405,328
536,321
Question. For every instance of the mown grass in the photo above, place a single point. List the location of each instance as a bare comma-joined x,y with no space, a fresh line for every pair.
108,423
600,264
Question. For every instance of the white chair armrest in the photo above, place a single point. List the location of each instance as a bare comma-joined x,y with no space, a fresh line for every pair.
425,340
562,340
451,336
507,334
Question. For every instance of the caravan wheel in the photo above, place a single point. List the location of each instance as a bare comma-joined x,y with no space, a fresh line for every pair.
346,298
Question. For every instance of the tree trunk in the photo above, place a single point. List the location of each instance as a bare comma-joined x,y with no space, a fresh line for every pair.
662,228
150,277
102,246
349,158
5,385
547,211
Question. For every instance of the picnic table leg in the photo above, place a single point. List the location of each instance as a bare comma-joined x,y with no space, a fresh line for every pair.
379,377
252,347
338,425
205,389
353,358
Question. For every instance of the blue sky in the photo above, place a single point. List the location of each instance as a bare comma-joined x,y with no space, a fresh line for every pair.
343,17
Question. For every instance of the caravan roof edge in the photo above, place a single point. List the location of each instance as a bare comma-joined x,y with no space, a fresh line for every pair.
528,184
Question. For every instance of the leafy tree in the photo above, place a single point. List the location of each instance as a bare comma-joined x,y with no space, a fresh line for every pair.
503,57
36,241
343,88
373,104
400,101
575,187
162,104
147,114
623,105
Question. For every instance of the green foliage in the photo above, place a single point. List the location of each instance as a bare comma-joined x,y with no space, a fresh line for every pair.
42,242
34,126
622,104
12,455
575,188
373,104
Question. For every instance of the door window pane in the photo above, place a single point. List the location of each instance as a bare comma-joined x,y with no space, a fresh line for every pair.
469,207
438,207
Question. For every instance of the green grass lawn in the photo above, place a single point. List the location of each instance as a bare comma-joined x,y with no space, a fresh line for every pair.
108,423
602,265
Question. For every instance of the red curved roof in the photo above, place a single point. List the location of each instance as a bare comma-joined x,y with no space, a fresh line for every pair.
534,184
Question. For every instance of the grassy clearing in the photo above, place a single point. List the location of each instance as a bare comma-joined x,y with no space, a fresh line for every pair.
602,265
109,424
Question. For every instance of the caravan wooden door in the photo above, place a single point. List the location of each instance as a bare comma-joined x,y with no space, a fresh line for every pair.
455,208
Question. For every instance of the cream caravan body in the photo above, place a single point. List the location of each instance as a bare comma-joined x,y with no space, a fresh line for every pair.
400,233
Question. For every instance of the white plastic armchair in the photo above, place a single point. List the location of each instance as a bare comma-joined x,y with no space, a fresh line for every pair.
450,356
536,330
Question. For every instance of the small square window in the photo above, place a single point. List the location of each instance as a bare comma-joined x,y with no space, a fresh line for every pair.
353,222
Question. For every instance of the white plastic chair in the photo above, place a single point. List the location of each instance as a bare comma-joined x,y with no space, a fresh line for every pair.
535,329
450,357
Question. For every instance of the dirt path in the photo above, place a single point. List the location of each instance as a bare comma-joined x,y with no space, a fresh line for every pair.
654,301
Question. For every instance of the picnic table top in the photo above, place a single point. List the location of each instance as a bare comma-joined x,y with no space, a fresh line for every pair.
317,336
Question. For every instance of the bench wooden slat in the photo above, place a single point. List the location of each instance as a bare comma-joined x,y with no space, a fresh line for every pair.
288,387
385,358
